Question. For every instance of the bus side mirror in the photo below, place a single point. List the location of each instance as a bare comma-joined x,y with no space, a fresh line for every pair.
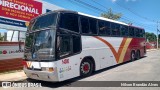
58,45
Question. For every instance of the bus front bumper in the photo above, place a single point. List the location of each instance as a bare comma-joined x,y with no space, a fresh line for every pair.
42,75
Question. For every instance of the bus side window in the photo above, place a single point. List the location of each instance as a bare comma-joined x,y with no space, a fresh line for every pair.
84,25
115,29
131,32
137,33
124,30
102,28
69,21
68,44
107,29
64,46
142,33
76,43
93,26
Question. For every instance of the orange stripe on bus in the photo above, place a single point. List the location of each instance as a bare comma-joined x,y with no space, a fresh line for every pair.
121,48
29,64
116,54
124,50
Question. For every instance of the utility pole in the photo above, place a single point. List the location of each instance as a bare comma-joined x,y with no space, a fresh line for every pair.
157,34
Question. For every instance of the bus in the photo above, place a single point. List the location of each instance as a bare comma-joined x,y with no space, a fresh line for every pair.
64,44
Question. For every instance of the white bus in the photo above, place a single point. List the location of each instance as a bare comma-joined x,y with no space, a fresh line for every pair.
64,44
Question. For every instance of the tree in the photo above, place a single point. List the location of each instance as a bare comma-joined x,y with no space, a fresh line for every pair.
110,15
151,36
1,37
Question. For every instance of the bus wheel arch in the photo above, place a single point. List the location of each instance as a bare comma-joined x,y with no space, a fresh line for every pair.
88,61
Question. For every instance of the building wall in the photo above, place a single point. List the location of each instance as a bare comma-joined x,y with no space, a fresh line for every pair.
10,54
45,7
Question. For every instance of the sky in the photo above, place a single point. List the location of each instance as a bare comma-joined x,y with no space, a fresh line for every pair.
142,13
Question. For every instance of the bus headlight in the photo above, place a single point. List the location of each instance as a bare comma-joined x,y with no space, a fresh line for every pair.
50,69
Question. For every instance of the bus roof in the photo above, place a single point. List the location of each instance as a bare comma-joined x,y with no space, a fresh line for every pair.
101,18
136,27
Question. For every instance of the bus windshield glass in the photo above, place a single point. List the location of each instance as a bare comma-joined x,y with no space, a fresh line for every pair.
40,45
43,21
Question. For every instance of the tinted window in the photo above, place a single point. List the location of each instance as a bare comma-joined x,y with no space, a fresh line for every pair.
131,32
115,29
93,26
69,21
65,45
76,43
124,30
141,33
68,44
137,33
107,26
104,28
44,21
84,25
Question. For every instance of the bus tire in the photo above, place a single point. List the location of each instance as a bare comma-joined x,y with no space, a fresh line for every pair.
86,67
138,55
132,56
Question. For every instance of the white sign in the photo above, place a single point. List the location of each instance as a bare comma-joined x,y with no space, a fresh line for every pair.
11,51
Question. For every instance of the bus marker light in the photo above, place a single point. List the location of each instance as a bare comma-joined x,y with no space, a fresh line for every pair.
50,69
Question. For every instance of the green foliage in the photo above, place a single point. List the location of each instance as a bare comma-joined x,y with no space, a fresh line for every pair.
110,15
151,37
1,37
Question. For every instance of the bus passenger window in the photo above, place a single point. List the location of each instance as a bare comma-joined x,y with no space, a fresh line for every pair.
115,29
137,34
76,44
69,21
65,45
131,32
107,28
142,33
104,28
93,26
84,25
124,30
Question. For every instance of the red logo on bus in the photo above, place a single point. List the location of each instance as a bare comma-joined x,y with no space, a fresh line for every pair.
65,61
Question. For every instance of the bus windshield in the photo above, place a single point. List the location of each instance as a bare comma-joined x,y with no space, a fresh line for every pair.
40,45
43,22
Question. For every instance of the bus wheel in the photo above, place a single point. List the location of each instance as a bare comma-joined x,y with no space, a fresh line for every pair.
86,68
132,56
138,55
